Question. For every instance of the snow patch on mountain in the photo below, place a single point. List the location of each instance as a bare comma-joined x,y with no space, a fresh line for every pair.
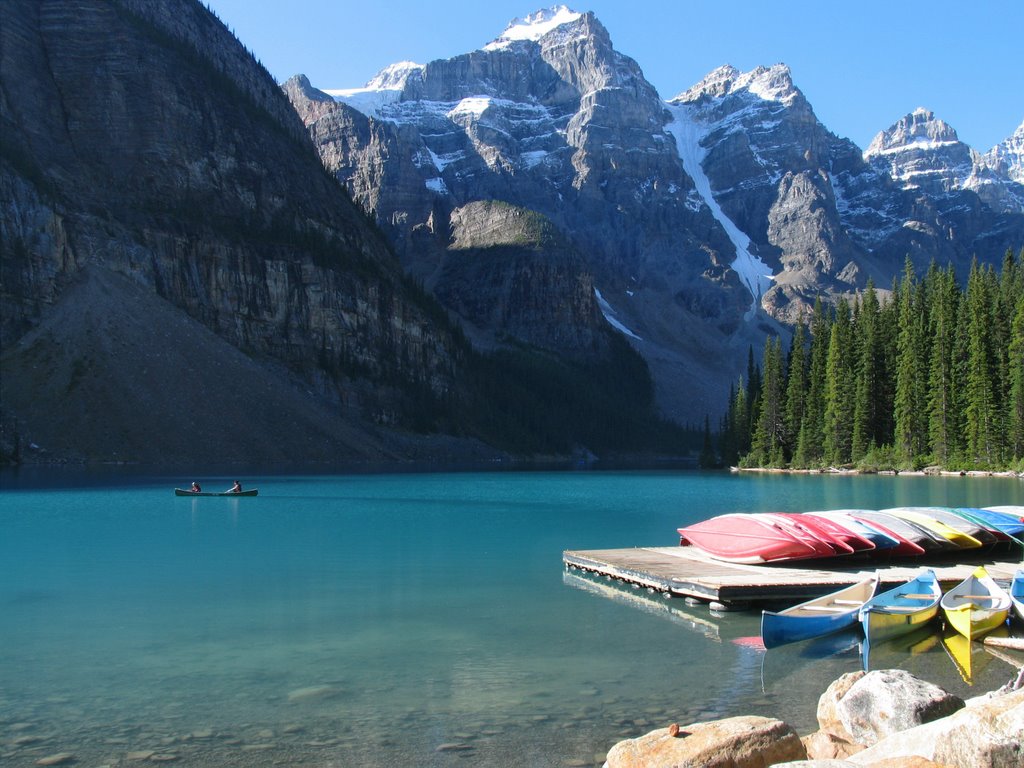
609,315
688,134
533,27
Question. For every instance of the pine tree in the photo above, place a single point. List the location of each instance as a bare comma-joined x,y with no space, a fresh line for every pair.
809,449
796,388
943,413
980,404
869,401
707,452
769,434
1015,416
838,432
910,439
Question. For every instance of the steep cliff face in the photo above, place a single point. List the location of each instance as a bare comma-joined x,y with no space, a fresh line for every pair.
563,125
141,138
705,221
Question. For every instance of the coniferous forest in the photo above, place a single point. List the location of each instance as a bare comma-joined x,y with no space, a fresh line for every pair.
929,373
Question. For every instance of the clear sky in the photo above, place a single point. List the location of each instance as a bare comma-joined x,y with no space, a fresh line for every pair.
862,65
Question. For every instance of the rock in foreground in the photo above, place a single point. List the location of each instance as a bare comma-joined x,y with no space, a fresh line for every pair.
735,742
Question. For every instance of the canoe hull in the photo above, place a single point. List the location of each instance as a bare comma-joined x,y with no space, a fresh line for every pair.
745,539
182,492
976,605
820,616
901,610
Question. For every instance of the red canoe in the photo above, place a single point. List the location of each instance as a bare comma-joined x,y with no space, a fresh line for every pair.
753,538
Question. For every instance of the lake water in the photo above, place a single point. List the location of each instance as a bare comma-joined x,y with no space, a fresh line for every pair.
395,619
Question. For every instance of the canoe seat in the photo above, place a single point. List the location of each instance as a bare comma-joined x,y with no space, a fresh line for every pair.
916,595
900,609
825,608
848,602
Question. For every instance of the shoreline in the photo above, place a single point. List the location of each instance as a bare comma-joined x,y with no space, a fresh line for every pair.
927,472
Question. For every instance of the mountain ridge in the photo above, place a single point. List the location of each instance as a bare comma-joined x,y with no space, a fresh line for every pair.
560,122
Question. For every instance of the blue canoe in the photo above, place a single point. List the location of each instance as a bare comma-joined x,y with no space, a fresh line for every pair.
901,610
999,518
820,616
1017,595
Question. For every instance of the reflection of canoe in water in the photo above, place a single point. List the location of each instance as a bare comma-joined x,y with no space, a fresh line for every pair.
893,651
969,657
820,616
976,605
903,609
251,492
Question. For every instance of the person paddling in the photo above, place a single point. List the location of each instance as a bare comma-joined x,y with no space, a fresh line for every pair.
236,488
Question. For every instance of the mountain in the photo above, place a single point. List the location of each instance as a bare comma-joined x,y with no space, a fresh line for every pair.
704,221
182,282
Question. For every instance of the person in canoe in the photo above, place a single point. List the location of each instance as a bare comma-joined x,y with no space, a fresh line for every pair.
236,488
196,488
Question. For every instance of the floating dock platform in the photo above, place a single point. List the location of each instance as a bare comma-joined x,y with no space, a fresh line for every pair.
690,573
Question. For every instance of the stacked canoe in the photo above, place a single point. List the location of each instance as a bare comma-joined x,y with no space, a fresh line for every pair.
900,532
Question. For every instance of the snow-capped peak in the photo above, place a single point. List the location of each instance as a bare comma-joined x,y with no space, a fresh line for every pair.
394,76
919,130
534,26
773,83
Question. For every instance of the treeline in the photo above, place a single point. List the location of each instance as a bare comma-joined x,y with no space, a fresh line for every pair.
933,374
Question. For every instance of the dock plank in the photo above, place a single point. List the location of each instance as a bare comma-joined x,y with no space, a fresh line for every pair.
689,572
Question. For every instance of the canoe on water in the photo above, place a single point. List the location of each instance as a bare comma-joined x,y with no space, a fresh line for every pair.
901,610
820,616
976,605
183,492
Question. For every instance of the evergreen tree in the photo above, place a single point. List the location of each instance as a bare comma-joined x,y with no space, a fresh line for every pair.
980,405
727,440
741,421
1015,399
943,413
769,434
910,400
796,388
707,451
809,448
839,400
869,401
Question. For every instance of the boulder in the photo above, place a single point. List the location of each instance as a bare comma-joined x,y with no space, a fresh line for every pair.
987,734
864,708
735,742
822,745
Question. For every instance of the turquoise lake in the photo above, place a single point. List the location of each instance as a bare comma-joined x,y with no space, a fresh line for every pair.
396,619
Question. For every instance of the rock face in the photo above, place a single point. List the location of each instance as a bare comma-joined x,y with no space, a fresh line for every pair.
736,742
192,177
703,220
986,734
864,708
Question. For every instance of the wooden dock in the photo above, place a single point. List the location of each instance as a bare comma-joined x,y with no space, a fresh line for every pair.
688,572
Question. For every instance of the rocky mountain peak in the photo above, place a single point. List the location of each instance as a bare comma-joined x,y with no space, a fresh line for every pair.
919,130
773,83
1008,157
395,76
533,27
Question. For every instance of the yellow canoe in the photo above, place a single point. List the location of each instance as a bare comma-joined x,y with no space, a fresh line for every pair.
976,605
961,539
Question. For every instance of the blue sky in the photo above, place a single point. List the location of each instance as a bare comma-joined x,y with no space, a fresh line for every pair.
861,65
